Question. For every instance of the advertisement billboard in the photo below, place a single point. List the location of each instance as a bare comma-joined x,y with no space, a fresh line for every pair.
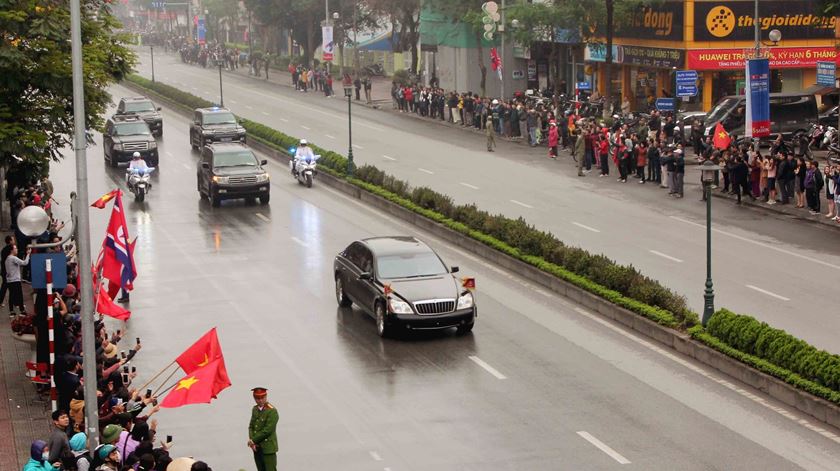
758,98
733,20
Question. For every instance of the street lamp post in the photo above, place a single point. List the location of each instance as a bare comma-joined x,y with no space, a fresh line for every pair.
348,92
709,174
221,92
152,52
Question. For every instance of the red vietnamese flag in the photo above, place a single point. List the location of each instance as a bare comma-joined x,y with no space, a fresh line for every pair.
105,305
203,351
721,139
199,387
104,199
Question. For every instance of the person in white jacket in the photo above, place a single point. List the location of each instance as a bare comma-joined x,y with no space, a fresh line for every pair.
13,280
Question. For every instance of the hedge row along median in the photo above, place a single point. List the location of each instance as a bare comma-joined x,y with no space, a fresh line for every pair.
597,274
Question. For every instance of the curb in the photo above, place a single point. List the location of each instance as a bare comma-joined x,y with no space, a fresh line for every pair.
816,407
776,209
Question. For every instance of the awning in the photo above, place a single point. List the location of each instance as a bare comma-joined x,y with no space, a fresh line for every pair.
818,89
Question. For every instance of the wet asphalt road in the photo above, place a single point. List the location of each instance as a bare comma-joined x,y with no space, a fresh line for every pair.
780,269
539,385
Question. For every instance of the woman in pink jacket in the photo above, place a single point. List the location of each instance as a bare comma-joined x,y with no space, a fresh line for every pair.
553,139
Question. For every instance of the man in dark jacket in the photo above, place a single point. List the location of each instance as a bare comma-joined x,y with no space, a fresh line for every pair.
740,174
786,176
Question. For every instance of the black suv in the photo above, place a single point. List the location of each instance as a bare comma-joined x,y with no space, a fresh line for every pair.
215,125
143,107
126,134
231,170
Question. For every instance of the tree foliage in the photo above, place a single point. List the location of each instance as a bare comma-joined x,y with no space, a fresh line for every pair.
404,17
36,87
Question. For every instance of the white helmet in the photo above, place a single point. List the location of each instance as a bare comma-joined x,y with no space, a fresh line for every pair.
135,155
303,142
495,102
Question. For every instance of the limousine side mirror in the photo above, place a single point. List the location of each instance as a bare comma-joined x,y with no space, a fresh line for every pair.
264,162
159,108
454,269
365,276
205,165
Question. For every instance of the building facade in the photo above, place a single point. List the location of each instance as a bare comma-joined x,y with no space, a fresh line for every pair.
712,37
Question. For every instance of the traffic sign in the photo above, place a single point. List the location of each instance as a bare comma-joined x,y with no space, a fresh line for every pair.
826,72
665,104
686,90
687,76
583,86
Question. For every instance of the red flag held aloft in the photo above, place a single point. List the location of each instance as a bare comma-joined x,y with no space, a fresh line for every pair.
722,138
104,199
205,350
199,387
105,305
117,253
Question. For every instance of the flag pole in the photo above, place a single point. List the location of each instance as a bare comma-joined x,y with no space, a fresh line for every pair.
164,382
167,389
157,376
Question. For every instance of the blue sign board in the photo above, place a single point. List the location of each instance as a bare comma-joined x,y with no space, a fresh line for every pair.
758,98
38,262
202,31
583,86
826,72
686,90
665,104
687,76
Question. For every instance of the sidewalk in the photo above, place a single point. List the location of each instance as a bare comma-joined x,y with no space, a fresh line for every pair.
21,419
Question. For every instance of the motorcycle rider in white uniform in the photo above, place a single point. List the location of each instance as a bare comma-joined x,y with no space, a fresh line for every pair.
303,152
136,164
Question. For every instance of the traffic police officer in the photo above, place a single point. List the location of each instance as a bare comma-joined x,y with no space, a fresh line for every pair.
262,431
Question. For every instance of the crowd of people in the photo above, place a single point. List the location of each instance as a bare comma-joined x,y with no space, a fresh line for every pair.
129,438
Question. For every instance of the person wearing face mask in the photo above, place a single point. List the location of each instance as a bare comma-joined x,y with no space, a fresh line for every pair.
39,454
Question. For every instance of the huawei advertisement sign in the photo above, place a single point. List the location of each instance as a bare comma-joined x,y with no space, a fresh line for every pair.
780,58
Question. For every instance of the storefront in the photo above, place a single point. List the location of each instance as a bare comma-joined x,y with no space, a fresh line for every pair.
656,41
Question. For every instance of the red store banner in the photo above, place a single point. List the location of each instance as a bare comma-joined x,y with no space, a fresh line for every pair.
780,58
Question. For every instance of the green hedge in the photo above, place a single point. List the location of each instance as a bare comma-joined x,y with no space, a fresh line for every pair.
748,335
622,285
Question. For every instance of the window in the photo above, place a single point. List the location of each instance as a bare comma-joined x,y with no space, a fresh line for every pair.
244,158
131,129
139,106
365,259
219,118
410,265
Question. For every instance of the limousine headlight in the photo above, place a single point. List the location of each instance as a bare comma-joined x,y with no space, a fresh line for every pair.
398,306
465,301
262,178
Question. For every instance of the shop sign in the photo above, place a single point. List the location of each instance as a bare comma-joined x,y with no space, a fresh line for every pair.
596,52
780,58
825,73
652,56
659,20
666,104
583,86
517,74
733,20
532,71
758,98
521,51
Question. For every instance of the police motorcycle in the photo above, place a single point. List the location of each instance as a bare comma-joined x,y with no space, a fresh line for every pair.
138,177
303,163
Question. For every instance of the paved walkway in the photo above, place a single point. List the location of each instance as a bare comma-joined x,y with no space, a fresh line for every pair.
21,419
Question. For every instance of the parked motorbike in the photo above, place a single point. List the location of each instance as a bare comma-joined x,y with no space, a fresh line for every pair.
305,171
374,69
139,182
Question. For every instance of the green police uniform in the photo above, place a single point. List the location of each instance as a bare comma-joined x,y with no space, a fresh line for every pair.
263,432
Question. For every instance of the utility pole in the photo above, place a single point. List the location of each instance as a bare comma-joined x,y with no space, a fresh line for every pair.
327,23
757,31
83,228
504,59
355,44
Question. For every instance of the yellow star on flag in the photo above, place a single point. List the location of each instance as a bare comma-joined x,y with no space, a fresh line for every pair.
206,360
722,135
186,383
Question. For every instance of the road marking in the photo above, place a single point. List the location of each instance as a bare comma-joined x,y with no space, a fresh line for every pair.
426,171
187,166
522,204
357,146
768,293
249,107
233,101
329,136
473,187
375,456
761,244
306,127
262,216
194,88
284,120
583,226
603,447
207,93
702,372
169,154
673,259
299,242
490,369
389,157
265,113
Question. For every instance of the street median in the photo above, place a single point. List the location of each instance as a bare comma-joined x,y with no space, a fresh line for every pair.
811,384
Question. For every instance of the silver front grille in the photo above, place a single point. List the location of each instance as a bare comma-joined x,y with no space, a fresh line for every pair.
136,146
243,179
434,306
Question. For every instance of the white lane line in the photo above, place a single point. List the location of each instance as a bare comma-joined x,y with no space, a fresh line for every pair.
426,171
375,456
249,107
522,204
472,187
299,242
194,88
389,157
262,216
357,146
490,369
306,127
702,372
768,293
760,244
583,226
329,136
603,447
187,166
207,93
265,113
284,120
673,259
233,101
168,154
